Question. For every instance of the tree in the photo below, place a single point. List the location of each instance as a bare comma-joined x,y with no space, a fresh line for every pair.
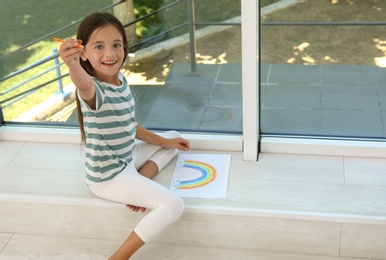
125,13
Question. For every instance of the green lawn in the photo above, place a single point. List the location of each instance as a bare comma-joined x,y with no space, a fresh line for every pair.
24,21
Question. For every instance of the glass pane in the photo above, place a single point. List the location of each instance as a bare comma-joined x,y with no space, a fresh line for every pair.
171,92
322,69
26,23
171,89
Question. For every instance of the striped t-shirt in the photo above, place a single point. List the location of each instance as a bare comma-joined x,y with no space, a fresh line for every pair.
110,131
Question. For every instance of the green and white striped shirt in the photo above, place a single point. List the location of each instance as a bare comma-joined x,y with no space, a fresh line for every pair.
110,131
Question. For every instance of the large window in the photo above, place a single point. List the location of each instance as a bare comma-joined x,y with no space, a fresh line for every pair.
320,68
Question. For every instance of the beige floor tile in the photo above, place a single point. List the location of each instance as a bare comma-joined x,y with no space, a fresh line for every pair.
207,230
304,197
8,151
74,248
79,221
178,252
365,171
300,168
49,156
360,240
4,239
253,233
44,182
29,246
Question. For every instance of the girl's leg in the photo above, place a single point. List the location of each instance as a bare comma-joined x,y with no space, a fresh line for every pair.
149,169
128,248
129,187
150,159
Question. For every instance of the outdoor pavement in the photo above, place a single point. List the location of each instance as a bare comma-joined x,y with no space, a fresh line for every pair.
325,100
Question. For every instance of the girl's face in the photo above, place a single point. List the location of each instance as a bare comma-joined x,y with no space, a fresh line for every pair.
105,52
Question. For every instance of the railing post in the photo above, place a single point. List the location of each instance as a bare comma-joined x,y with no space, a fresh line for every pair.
192,37
58,74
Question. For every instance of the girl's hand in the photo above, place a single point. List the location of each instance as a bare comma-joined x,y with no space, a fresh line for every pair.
70,53
173,143
136,208
179,143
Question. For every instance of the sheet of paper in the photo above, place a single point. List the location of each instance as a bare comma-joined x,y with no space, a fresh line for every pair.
201,175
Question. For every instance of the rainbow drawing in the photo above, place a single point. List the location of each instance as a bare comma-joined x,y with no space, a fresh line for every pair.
208,174
215,116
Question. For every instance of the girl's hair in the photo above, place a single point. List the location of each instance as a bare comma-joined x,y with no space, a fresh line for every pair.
85,29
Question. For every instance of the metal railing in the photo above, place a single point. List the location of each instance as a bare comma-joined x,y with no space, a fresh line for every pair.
50,35
9,101
17,97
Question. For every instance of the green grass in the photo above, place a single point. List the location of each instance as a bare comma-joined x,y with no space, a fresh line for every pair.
24,21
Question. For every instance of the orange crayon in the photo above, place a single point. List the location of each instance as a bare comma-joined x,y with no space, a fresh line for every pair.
61,40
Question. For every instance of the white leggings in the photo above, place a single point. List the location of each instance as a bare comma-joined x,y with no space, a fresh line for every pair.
129,187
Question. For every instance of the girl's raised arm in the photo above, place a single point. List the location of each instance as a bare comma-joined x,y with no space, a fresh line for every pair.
70,54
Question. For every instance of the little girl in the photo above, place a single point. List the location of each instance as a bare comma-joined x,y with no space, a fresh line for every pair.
117,167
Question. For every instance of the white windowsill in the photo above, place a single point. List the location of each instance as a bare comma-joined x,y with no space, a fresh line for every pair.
213,142
373,149
216,142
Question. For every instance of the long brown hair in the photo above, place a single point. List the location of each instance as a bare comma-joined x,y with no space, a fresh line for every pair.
85,29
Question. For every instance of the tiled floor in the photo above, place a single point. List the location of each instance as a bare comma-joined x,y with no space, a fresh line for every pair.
324,100
312,187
